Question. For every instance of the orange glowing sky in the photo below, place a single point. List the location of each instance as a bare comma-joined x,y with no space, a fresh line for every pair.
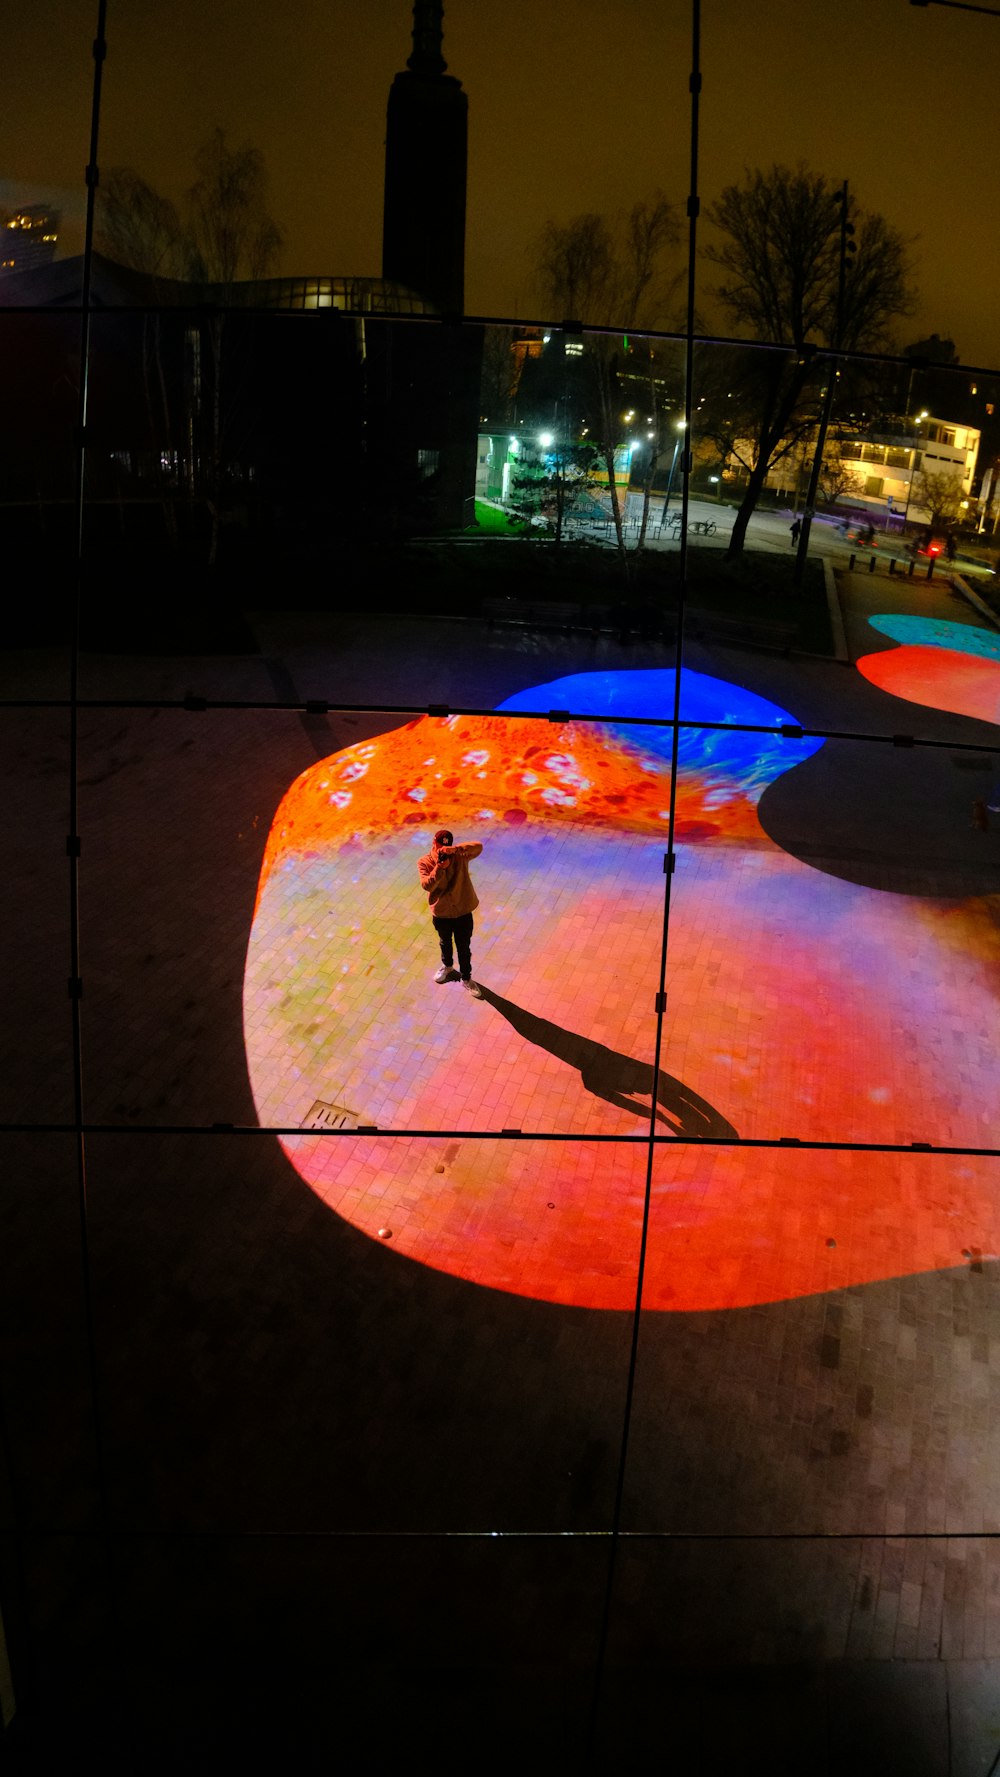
584,113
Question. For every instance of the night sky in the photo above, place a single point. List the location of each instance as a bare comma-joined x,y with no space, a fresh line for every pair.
572,106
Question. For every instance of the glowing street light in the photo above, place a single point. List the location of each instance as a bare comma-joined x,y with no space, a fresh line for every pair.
921,417
679,427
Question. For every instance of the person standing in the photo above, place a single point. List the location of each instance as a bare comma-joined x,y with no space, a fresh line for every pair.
445,880
795,527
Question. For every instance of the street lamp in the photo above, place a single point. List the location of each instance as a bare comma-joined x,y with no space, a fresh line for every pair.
921,417
679,426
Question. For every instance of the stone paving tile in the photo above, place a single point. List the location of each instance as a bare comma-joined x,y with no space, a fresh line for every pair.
48,1476
396,1030
264,1365
231,1309
234,1309
165,900
36,1031
848,1599
830,1719
170,678
818,1450
339,1011
294,1648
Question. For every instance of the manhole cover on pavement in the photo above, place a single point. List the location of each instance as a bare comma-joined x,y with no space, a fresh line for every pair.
329,1116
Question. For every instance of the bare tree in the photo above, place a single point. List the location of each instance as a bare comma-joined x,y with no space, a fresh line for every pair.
231,231
576,268
779,257
499,376
612,273
140,228
939,495
838,476
224,233
232,235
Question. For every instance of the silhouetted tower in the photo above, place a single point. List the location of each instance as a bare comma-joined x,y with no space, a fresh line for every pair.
423,225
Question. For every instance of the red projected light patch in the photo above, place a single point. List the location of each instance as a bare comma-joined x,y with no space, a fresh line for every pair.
939,678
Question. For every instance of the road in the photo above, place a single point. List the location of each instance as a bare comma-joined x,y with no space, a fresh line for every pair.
770,530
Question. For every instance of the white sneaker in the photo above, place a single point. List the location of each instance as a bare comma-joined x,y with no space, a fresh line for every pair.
474,988
445,973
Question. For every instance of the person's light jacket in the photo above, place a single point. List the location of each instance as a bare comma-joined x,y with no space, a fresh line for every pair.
445,879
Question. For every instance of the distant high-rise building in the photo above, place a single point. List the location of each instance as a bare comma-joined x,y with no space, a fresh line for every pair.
28,238
423,228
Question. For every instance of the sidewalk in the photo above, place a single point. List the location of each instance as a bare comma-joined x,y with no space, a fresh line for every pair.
345,1470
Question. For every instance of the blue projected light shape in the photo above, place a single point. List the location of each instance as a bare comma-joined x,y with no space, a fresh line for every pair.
724,757
937,632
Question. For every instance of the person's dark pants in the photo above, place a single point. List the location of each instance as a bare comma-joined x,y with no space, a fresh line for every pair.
458,931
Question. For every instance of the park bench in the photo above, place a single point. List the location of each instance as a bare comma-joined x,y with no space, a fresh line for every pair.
550,614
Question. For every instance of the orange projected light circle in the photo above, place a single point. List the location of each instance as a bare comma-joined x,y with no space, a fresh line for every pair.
939,678
798,1004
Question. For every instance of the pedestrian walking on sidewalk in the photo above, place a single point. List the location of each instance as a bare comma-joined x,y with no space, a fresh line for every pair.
795,528
445,880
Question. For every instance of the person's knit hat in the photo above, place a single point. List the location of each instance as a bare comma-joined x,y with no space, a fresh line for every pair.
443,836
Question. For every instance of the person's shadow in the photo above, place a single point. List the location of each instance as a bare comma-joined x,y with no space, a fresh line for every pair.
622,1080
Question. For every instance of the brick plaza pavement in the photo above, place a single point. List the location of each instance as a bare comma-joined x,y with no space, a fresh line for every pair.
302,1428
